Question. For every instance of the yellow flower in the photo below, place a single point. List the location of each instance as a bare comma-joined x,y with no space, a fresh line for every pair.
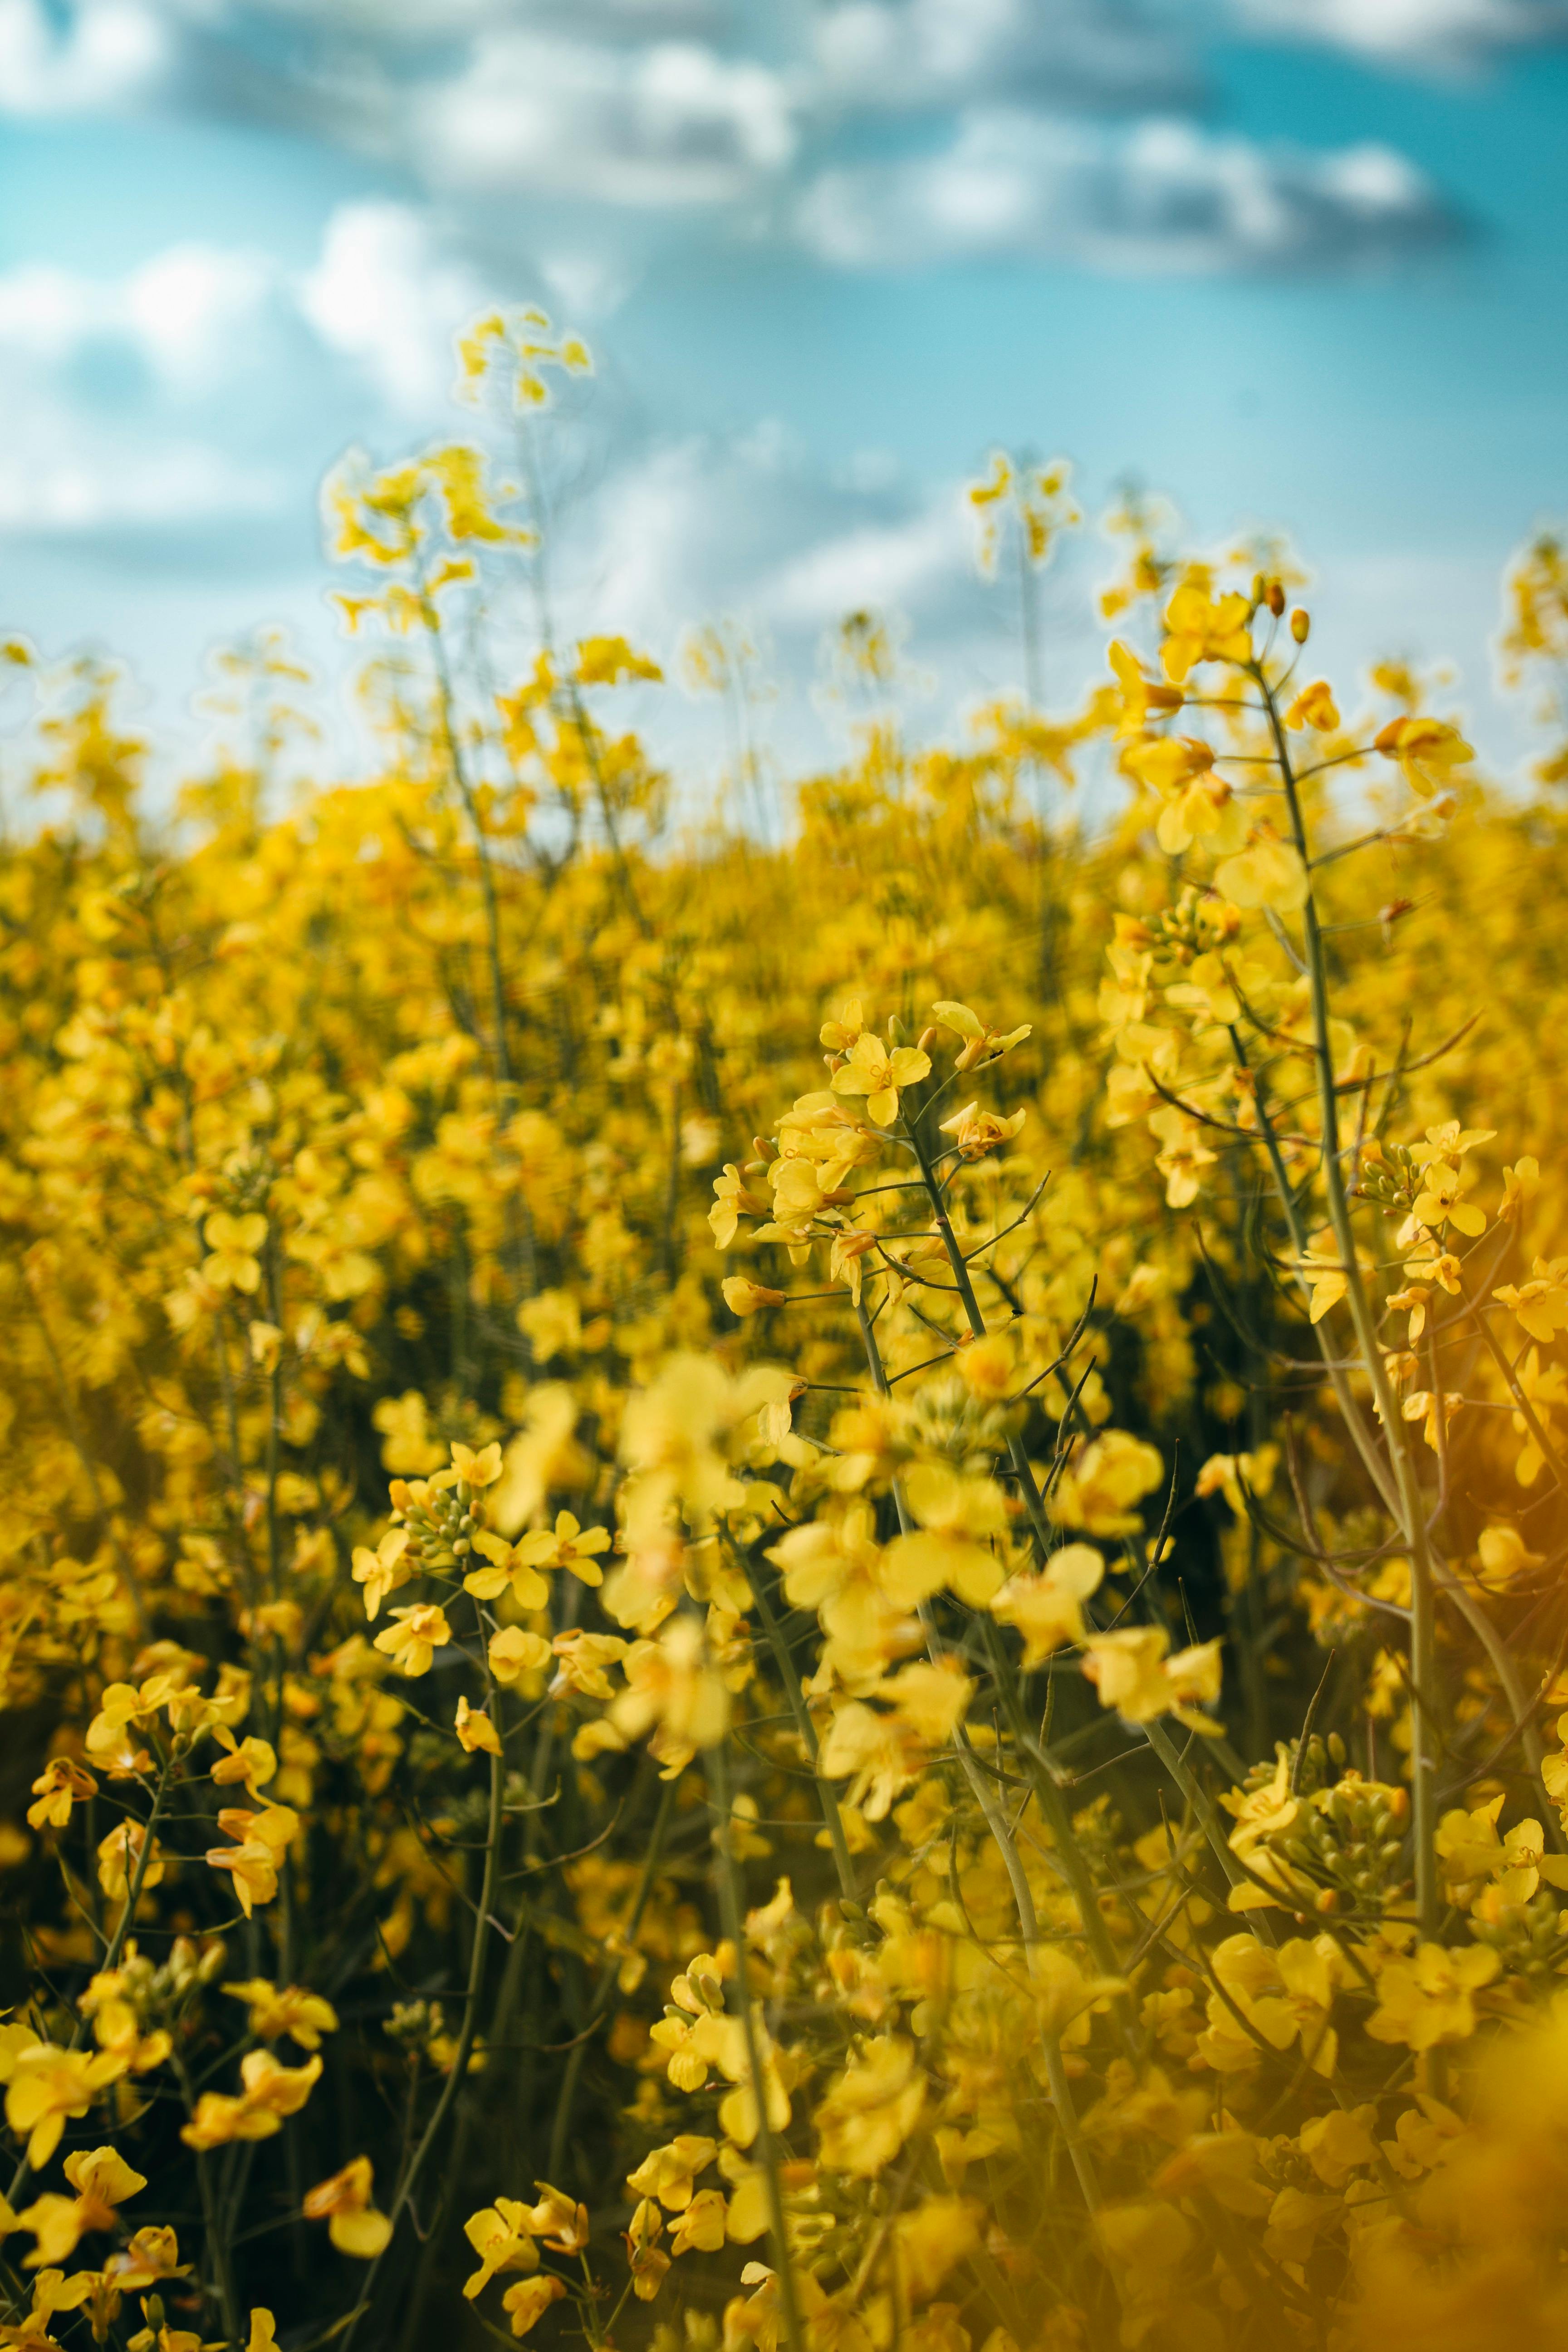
975,1132
1140,694
669,2173
231,1263
526,2303
52,2291
514,1652
701,2226
981,1042
382,1571
1200,627
119,1857
1182,771
1268,873
872,2107
304,2016
415,1638
102,2180
510,1569
1184,1154
558,2219
1503,1555
499,2235
1103,1480
1314,707
477,1470
879,1075
1542,1303
1048,1608
59,1786
567,1545
1133,1674
353,2222
272,2093
476,1731
252,1762
744,1297
1284,1995
671,1686
49,2088
1429,1997
261,1840
734,1199
1426,750
582,1659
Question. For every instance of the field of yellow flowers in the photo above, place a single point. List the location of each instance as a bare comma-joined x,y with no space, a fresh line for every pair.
798,1590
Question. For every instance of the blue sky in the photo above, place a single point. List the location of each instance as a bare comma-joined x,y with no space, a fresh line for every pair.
1299,263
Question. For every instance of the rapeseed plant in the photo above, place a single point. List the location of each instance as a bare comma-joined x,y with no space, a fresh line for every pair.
721,1591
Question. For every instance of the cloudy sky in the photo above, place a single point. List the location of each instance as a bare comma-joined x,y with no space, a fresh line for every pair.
1295,262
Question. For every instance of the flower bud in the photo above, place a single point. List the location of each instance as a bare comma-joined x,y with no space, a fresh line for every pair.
1300,625
926,1039
1276,598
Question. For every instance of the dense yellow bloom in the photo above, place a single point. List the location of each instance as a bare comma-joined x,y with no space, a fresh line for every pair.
368,1157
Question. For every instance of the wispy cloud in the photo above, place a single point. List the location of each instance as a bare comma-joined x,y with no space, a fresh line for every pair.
1161,195
1044,127
1418,34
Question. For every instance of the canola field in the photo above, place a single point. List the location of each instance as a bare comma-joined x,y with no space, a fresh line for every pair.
788,1586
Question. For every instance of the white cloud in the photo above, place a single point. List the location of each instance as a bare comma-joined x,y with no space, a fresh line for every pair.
1410,32
107,54
377,22
210,382
1160,195
882,565
187,311
383,293
671,123
920,53
72,488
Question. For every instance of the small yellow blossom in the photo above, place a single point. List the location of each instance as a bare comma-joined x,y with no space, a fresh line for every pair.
344,2203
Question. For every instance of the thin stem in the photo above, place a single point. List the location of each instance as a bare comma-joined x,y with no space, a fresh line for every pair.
789,1675
728,1875
460,2065
1411,1512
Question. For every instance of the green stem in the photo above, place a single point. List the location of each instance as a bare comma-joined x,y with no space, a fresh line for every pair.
459,2069
717,1764
562,2126
117,1942
789,1675
955,1258
1411,1512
